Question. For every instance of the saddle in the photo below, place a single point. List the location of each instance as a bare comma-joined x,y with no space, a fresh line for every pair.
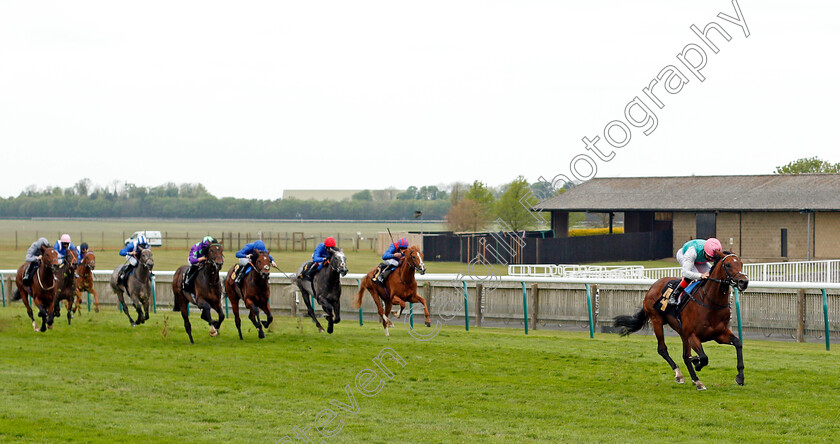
662,304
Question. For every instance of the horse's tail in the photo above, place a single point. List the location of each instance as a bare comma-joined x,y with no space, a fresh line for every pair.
632,323
16,295
356,302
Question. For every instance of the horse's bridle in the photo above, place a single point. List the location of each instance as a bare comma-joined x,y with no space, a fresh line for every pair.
337,267
730,279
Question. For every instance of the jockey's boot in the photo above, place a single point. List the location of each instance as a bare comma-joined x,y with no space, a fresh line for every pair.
240,276
377,275
124,274
383,277
675,296
189,278
310,272
27,275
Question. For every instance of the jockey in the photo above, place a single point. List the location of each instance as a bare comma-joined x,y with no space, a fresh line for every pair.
63,246
198,254
391,260
33,258
82,251
246,255
131,251
694,257
322,252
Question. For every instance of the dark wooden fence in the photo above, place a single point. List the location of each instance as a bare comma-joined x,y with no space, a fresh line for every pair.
509,248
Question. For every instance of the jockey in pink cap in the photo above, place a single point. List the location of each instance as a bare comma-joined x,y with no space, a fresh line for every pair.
694,257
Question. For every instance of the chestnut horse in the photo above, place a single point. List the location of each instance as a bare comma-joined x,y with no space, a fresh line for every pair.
207,292
42,289
400,286
327,287
254,293
704,317
85,281
139,287
67,284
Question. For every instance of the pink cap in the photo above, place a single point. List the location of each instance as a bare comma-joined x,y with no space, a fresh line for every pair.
65,238
712,246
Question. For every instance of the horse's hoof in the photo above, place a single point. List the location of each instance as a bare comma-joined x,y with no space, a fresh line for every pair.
700,385
96,309
387,333
50,326
428,324
320,330
390,324
134,324
740,380
330,329
213,332
262,334
679,380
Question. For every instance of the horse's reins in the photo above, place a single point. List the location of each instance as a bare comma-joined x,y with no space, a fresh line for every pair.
729,281
38,274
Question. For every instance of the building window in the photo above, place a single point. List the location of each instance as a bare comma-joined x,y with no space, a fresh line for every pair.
706,225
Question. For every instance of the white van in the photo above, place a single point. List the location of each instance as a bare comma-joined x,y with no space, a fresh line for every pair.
154,237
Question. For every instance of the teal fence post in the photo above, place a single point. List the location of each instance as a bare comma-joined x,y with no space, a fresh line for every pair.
359,282
411,315
589,310
154,297
3,286
227,304
525,305
825,320
738,313
120,305
466,307
88,293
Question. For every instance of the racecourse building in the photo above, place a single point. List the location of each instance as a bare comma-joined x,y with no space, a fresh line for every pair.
762,218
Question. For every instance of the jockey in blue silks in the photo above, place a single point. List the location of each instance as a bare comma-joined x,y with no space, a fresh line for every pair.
391,259
322,253
246,255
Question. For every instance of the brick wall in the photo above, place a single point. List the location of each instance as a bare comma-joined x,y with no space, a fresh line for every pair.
827,230
762,235
685,229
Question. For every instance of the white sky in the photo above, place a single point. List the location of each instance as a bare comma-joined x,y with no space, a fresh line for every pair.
250,98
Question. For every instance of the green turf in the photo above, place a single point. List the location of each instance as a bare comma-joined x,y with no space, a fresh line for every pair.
102,381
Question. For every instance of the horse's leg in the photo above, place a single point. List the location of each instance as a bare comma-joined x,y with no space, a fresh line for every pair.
254,316
401,304
328,308
205,314
78,302
146,304
218,307
185,313
69,308
269,318
336,311
24,296
125,307
41,314
419,299
689,343
95,298
701,360
234,306
310,311
49,310
387,321
656,322
729,338
138,306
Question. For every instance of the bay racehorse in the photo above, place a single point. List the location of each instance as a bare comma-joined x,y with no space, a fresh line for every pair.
207,291
66,284
139,287
85,280
399,286
42,289
326,286
254,292
704,317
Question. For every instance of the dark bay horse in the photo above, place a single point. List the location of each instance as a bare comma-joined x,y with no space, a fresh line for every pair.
400,286
85,280
705,317
139,287
327,287
66,284
254,292
208,290
42,289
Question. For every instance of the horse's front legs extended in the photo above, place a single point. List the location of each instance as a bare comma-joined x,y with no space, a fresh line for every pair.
729,338
690,343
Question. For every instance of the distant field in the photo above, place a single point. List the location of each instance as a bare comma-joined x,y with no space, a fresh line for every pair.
109,234
100,380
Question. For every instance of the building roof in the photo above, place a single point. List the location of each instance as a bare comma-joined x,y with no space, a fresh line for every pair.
338,195
819,192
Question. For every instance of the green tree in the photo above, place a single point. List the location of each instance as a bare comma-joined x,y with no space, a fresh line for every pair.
476,214
808,165
511,206
364,195
409,194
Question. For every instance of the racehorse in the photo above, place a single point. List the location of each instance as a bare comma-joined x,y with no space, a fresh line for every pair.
254,293
85,281
207,292
400,286
327,289
42,289
66,284
139,287
704,317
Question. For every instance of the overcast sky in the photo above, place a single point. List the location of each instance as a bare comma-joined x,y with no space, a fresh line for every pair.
250,98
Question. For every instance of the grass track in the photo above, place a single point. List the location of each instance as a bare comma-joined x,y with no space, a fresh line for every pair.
102,381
